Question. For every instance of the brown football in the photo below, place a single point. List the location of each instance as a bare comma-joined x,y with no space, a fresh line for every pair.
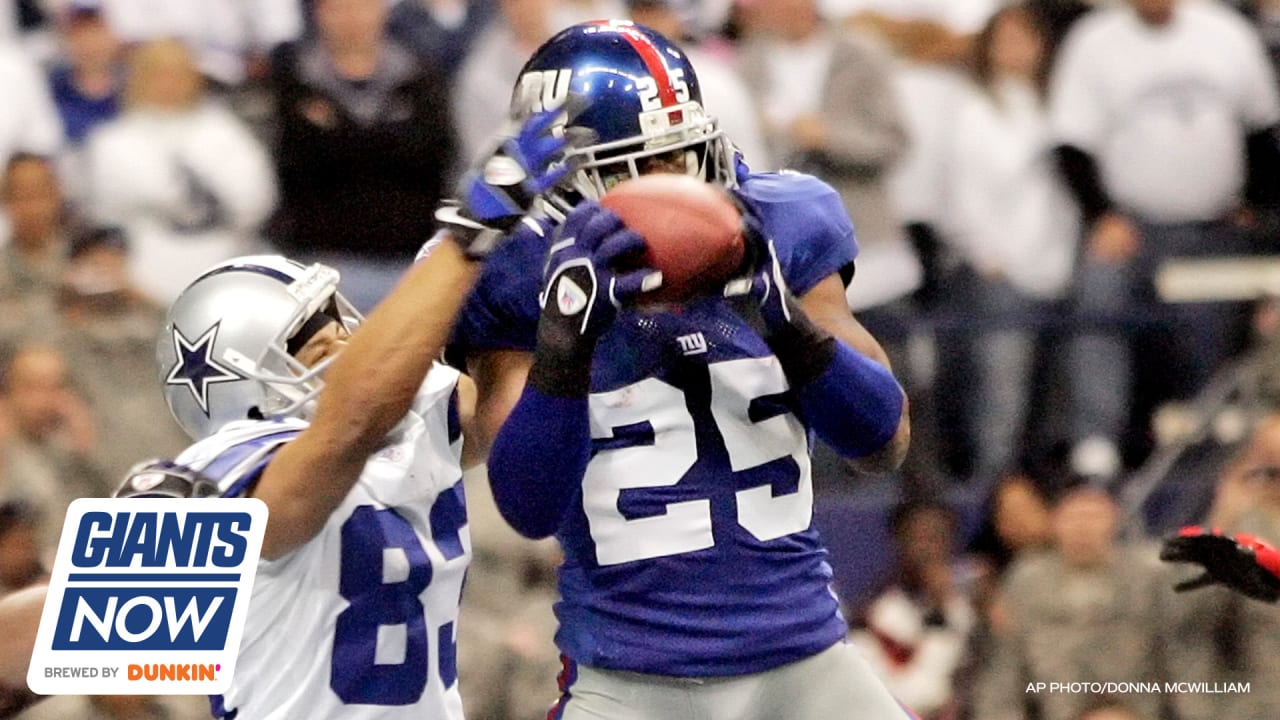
692,230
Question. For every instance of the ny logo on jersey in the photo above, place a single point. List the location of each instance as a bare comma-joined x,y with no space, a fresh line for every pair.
196,368
692,344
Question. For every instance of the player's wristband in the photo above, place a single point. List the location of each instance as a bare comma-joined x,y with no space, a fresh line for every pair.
562,359
854,404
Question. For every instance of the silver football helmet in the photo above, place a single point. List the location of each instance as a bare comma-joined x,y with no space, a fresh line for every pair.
225,352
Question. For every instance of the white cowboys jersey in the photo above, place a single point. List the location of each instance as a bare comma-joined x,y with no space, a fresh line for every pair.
360,622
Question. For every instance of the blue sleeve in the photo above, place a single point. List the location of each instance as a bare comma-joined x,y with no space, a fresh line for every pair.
538,461
808,224
501,313
854,405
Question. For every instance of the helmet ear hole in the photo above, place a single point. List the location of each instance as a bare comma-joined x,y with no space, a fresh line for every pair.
255,414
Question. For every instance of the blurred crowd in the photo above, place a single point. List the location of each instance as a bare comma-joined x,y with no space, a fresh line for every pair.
1019,174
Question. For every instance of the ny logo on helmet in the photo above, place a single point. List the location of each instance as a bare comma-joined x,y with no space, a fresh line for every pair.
543,89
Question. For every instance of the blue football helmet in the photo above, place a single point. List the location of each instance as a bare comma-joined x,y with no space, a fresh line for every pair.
226,350
641,100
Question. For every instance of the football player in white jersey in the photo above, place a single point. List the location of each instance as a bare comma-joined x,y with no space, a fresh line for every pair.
355,602
353,442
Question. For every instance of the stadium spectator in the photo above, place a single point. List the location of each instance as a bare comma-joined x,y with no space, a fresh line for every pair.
915,632
33,203
35,255
21,562
1265,16
929,41
178,172
1089,592
482,91
49,453
88,82
1016,520
28,119
1164,112
441,33
226,37
1013,226
365,150
103,317
1225,636
1015,525
829,110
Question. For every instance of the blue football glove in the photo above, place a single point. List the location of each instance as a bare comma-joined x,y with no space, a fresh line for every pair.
526,160
583,287
760,295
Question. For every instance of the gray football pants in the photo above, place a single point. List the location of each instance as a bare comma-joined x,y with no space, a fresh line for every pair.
835,684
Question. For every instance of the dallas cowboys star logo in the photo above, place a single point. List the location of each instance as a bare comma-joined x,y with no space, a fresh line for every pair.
195,368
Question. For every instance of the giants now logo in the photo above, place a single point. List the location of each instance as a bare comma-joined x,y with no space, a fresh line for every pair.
148,583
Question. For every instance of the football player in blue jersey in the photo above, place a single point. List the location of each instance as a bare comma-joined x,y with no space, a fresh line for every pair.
350,432
669,451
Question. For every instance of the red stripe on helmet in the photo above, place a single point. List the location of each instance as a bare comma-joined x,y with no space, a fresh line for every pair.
650,55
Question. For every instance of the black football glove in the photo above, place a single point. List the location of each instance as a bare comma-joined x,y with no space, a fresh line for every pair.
1243,563
582,290
526,160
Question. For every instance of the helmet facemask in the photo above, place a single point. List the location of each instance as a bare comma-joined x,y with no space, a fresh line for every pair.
290,387
678,139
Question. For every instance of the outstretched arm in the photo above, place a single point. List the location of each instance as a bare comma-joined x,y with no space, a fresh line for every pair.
368,389
372,383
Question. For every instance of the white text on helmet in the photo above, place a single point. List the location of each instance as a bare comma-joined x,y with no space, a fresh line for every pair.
542,90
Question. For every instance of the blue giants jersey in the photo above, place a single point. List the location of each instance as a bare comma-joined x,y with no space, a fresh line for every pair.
690,550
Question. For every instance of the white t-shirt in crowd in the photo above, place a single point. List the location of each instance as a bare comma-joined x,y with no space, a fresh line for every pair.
222,32
798,73
928,93
1165,110
961,16
1009,211
29,122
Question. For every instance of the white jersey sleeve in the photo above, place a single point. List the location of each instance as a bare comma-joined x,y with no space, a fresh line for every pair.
360,621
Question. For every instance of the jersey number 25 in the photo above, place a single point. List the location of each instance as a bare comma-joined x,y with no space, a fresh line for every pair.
686,526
